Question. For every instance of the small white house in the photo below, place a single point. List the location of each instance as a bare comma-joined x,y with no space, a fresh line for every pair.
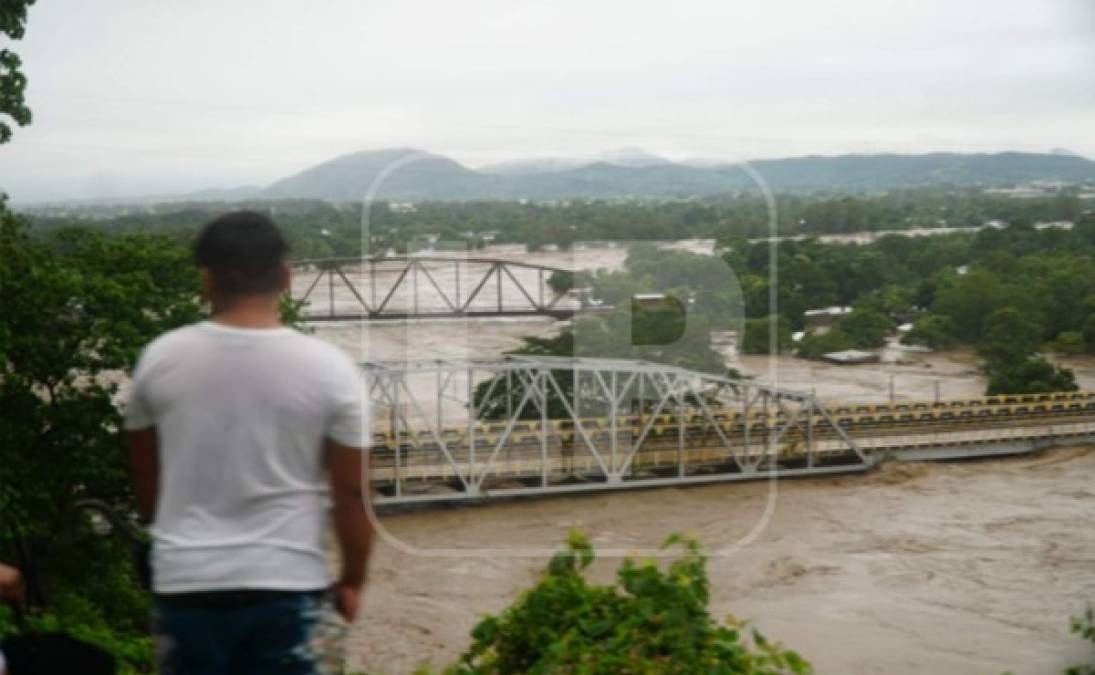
824,317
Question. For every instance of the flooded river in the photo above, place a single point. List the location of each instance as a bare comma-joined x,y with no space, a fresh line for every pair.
969,567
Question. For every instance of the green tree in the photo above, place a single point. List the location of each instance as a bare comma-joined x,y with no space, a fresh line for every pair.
967,299
1008,336
561,281
865,328
1089,334
890,300
815,345
758,335
1031,375
932,331
1069,342
13,83
650,621
77,308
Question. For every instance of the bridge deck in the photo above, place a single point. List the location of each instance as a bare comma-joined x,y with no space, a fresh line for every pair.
536,462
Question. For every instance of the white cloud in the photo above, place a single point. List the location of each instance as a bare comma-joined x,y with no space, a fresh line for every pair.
156,97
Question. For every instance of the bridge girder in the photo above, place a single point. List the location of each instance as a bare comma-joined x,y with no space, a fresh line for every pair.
586,423
410,287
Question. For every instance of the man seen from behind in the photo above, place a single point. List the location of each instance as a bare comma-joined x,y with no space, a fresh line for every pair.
246,441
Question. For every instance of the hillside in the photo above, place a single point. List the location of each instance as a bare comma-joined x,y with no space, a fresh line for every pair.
432,176
412,175
866,172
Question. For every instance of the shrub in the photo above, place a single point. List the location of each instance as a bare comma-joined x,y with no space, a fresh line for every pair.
1033,375
75,617
866,328
933,331
1009,335
814,345
1089,334
1084,626
649,621
757,338
1069,342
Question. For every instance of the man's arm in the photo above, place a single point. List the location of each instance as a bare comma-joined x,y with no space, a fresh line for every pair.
144,470
11,585
353,526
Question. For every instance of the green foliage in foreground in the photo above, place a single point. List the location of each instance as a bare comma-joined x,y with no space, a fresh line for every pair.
76,617
1084,626
13,83
78,307
649,621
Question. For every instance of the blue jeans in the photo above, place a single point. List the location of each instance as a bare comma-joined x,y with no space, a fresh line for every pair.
245,632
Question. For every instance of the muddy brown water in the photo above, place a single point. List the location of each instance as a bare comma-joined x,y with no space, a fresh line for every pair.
961,567
921,568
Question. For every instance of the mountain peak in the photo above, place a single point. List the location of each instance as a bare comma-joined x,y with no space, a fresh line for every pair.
632,158
392,172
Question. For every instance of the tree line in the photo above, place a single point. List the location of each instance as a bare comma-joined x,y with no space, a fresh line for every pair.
319,229
1011,293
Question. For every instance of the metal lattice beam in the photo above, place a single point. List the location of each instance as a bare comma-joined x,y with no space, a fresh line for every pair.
392,283
528,425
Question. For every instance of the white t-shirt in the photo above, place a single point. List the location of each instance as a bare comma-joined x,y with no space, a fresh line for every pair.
241,415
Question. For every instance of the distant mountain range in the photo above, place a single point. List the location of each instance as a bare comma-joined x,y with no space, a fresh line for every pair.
408,174
633,158
633,173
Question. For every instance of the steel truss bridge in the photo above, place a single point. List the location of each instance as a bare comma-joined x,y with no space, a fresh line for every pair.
418,287
473,429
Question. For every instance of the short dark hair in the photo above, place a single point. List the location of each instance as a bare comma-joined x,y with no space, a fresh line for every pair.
243,251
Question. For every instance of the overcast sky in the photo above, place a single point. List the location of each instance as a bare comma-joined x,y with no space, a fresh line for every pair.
136,97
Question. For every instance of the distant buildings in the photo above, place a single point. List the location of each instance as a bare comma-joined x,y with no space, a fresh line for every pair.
1055,225
654,301
1035,188
820,320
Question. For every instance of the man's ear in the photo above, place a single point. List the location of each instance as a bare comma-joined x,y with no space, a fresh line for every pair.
208,285
285,278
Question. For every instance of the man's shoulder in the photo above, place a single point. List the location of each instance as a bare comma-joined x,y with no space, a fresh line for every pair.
321,350
172,339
